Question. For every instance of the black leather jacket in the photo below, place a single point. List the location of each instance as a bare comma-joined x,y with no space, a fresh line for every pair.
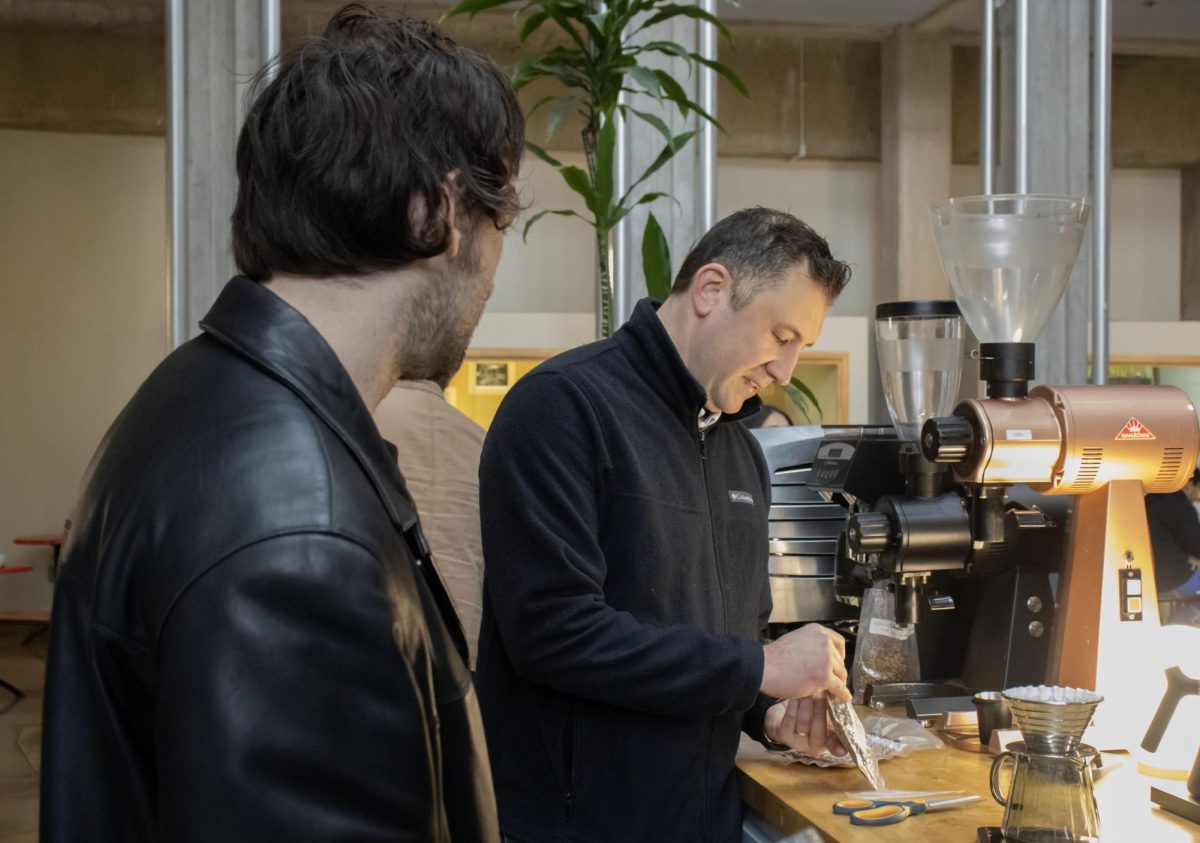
244,644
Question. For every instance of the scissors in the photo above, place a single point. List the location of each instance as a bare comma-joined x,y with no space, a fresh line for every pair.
890,811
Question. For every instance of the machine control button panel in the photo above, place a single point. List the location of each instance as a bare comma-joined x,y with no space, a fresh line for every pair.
1131,594
831,466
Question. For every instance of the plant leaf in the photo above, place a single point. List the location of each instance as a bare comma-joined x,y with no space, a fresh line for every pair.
579,182
724,70
670,48
649,80
675,10
560,112
531,25
623,211
562,213
654,120
668,152
473,7
555,11
677,95
538,105
673,91
599,22
650,197
802,396
656,260
541,153
526,70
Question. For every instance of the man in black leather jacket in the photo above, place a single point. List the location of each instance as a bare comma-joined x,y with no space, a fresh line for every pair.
250,641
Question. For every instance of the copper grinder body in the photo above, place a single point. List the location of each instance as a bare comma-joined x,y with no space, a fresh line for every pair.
1109,445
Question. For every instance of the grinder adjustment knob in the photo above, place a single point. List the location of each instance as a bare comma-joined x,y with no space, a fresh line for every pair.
868,532
947,439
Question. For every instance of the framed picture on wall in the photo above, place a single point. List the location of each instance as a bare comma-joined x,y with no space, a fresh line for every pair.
489,376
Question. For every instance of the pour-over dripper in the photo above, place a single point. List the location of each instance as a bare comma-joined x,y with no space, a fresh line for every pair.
1052,720
1008,258
920,360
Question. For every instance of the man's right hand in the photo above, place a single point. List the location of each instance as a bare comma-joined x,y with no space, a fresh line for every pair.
805,662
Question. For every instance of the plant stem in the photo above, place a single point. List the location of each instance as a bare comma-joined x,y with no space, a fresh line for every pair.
603,266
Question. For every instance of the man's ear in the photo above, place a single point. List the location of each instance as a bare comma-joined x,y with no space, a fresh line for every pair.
445,211
449,212
711,285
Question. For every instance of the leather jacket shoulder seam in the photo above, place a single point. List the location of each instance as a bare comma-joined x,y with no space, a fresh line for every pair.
183,589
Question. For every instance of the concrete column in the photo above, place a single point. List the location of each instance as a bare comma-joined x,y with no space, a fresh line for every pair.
680,178
1189,241
914,169
1059,153
223,48
914,162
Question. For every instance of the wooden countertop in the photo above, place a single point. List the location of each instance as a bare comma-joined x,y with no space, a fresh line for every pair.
793,797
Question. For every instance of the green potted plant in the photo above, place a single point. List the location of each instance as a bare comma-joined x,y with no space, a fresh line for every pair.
597,57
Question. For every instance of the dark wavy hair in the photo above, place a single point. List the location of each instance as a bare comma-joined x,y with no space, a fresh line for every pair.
345,153
758,246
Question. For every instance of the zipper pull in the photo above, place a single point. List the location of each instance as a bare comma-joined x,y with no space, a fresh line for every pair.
702,433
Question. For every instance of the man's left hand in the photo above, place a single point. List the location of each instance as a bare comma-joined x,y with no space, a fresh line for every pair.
803,725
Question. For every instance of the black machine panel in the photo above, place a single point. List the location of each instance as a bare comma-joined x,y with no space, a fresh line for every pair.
999,631
804,529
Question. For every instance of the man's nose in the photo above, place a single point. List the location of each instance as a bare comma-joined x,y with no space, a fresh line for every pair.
781,368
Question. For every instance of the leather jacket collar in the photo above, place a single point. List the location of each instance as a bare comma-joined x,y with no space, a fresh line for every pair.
267,331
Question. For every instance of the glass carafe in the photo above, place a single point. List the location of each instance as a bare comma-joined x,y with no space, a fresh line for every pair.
1050,798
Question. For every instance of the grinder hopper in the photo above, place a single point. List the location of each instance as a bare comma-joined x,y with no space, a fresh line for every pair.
1008,258
920,361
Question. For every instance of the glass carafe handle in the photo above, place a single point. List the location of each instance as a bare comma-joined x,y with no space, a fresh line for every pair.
994,779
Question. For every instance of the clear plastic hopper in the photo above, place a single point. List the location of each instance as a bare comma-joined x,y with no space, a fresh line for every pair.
920,345
1008,258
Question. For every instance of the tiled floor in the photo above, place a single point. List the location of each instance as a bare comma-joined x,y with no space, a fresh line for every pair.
20,733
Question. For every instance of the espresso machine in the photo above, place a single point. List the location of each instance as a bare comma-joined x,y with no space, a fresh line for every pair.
1008,259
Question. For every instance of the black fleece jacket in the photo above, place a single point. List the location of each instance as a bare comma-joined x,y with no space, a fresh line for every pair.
626,595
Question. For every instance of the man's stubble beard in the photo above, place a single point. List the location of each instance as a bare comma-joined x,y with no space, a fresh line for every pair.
441,318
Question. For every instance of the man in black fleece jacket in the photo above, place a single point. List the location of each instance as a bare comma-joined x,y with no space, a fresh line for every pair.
624,514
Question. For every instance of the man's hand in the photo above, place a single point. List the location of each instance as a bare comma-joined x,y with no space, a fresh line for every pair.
803,724
805,662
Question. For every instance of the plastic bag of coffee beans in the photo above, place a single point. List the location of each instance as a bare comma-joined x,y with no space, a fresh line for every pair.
884,652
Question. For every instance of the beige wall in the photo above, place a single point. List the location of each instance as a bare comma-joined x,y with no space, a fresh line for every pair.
83,319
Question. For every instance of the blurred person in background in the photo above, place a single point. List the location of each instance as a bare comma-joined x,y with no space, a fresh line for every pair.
767,416
1175,539
438,451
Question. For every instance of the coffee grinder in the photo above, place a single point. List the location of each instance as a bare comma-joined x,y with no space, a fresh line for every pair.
909,536
909,524
1008,259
